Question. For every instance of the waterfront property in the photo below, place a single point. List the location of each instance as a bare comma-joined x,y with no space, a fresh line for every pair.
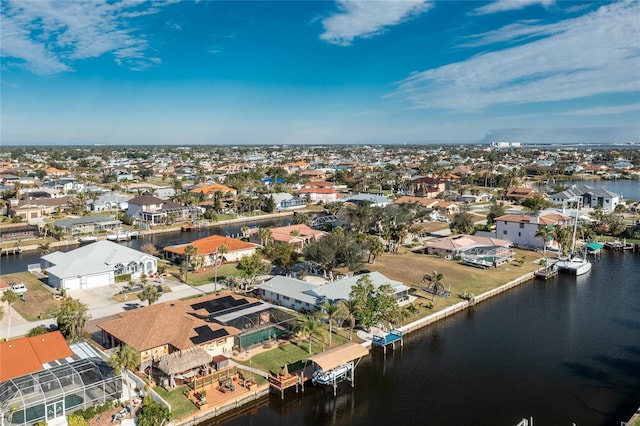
87,224
521,229
451,247
209,249
590,197
18,231
296,235
184,336
42,378
151,211
305,296
95,265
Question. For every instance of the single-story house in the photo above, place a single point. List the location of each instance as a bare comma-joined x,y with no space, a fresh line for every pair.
18,231
43,379
450,247
297,235
371,199
34,211
96,265
429,203
305,296
213,324
285,201
209,248
110,201
87,224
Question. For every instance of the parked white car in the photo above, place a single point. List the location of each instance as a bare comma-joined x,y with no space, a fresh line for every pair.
18,288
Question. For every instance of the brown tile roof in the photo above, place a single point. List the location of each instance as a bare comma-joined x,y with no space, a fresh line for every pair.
425,202
318,191
170,323
211,188
28,354
210,245
547,219
284,233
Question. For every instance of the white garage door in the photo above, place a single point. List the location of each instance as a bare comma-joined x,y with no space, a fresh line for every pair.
97,281
71,283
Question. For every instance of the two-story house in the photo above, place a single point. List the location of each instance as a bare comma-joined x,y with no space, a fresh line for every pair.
153,211
521,229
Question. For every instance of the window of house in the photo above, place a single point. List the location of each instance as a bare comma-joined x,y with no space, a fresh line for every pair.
522,226
221,342
519,234
285,297
504,232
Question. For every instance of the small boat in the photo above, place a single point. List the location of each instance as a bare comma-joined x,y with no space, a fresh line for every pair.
119,235
320,377
88,239
575,264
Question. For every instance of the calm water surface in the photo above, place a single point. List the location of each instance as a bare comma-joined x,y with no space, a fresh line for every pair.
629,189
563,351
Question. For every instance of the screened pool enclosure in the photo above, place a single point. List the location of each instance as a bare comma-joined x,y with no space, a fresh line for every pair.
58,391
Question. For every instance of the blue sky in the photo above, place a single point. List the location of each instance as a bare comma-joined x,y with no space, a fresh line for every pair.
319,72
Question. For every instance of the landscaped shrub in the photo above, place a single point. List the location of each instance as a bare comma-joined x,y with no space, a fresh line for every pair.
123,278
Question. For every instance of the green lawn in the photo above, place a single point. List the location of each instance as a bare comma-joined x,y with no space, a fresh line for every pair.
290,353
39,302
180,405
207,276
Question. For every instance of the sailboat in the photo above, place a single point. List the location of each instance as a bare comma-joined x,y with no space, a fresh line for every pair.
576,263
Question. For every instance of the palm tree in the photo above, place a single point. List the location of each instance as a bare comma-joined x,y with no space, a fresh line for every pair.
220,252
150,294
435,282
544,232
266,235
376,248
10,297
125,358
311,327
190,251
348,309
331,312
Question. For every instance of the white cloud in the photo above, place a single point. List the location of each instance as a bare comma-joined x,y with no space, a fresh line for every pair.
598,53
48,36
605,110
365,18
506,5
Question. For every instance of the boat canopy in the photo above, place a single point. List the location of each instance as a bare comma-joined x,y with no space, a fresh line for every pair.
594,245
337,356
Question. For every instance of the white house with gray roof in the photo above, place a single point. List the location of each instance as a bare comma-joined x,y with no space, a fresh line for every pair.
305,296
589,196
96,265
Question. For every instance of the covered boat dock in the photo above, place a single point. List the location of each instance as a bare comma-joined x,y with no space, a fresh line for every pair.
337,364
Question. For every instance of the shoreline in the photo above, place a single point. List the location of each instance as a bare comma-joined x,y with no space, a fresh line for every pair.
75,242
242,404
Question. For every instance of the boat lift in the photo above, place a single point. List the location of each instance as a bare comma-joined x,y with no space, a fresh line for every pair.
337,364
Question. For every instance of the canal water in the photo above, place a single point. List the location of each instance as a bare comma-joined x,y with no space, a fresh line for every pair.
565,351
18,263
562,351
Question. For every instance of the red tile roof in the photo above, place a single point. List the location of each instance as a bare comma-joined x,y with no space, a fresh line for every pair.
28,354
210,245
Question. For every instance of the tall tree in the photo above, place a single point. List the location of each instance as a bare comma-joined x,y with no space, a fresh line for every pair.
282,255
311,327
125,358
495,210
435,282
220,252
250,267
376,248
191,252
348,310
266,235
331,311
10,297
72,318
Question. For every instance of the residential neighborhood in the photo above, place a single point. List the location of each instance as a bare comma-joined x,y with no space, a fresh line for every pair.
330,245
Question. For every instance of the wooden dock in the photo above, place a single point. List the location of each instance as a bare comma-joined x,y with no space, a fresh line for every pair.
547,272
10,250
